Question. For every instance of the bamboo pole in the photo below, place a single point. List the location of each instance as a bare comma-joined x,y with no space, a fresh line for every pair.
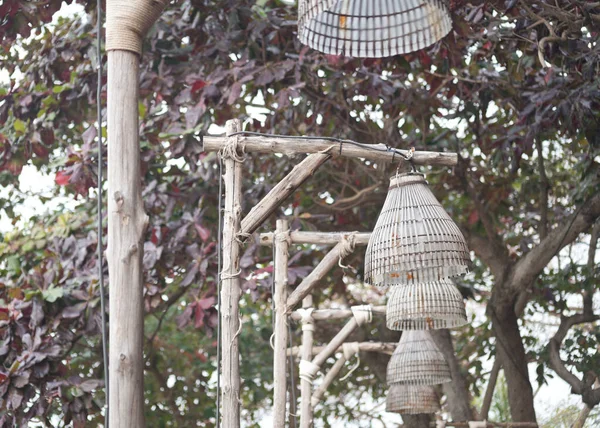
381,347
308,283
282,190
336,342
127,223
230,287
306,412
281,330
334,314
328,379
318,238
291,146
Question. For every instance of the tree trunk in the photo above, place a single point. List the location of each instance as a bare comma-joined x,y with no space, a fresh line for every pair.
511,352
416,421
457,391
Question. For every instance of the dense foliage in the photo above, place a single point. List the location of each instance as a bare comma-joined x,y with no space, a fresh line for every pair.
513,89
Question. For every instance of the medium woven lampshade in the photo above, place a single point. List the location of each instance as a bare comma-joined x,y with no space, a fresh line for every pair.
414,240
412,399
425,306
372,28
417,361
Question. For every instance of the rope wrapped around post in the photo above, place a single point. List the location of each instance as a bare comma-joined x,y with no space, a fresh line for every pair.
362,314
128,22
307,320
308,370
233,149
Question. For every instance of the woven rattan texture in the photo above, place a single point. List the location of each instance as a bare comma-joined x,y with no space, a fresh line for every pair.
414,240
417,361
372,28
425,306
412,399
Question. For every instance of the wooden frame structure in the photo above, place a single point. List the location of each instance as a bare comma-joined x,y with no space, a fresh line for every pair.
232,148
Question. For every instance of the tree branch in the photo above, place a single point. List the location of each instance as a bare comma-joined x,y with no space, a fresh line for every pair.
545,189
534,262
589,395
488,253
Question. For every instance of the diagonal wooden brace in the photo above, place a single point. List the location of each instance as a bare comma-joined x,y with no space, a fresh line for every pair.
329,261
301,172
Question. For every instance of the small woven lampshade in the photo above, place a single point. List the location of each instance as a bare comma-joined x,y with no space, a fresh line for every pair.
372,28
412,399
417,361
425,306
414,240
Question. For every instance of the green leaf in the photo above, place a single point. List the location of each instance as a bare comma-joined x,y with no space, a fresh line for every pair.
60,88
52,294
20,126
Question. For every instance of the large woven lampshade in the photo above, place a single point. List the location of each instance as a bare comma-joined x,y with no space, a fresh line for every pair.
414,240
372,28
412,399
417,361
425,306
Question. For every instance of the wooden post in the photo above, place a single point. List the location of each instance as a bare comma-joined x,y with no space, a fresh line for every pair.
306,412
127,223
230,283
281,330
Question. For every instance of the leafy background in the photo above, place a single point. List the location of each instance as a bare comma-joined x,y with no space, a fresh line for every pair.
513,89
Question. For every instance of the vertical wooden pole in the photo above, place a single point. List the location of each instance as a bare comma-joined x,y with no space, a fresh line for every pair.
306,411
127,223
281,244
230,287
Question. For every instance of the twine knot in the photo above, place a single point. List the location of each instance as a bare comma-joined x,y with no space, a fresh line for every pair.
308,370
362,314
306,318
232,149
347,244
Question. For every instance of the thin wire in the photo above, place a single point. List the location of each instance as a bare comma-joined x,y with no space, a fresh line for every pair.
100,230
219,292
333,139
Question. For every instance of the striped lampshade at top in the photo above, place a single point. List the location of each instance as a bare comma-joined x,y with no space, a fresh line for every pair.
414,239
425,306
412,399
372,28
417,361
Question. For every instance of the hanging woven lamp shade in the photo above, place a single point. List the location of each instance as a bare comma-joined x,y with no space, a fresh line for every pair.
414,240
372,28
417,361
425,306
412,399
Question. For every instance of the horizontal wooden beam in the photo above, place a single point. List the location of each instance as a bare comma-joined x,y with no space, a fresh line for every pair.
381,347
292,146
318,238
334,314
